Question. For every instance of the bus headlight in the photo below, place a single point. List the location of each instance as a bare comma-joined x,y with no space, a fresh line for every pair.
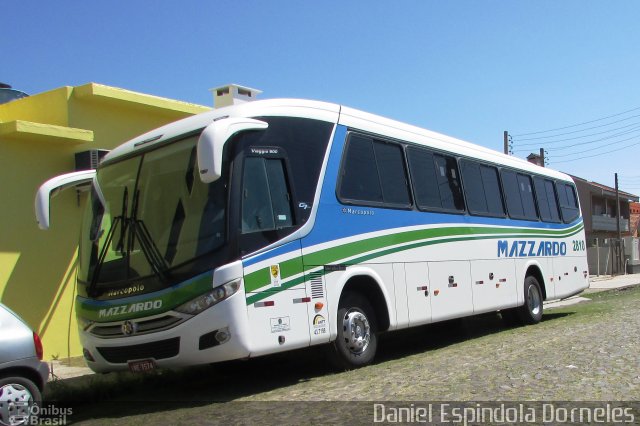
207,300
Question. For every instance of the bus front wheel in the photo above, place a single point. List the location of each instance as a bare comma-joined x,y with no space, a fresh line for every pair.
531,311
356,343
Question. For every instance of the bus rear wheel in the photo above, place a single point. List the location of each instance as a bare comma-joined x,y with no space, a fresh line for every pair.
356,343
531,311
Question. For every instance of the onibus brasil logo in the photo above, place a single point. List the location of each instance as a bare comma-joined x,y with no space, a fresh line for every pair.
25,411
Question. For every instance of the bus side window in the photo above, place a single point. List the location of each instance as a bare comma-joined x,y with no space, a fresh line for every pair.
435,180
546,197
519,194
373,173
360,180
568,201
266,201
482,189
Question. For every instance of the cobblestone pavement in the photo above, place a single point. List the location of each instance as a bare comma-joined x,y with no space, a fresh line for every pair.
589,351
592,356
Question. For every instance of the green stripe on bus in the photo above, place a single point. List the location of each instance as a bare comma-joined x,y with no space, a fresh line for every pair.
128,308
261,277
332,257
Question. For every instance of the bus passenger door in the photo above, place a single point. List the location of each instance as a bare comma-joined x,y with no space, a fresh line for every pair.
418,293
494,285
451,295
274,278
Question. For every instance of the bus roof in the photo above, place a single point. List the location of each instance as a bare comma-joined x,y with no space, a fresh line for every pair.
333,113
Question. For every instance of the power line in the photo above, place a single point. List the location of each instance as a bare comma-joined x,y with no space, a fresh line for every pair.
576,125
596,155
596,148
589,143
576,137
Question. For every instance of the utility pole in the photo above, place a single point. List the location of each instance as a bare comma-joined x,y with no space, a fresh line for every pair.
618,225
506,142
542,157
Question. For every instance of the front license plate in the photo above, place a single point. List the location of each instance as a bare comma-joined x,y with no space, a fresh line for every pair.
142,366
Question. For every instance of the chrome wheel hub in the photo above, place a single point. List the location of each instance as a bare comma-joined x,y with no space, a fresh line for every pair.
15,404
357,331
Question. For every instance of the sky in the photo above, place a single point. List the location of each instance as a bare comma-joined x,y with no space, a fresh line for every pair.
466,68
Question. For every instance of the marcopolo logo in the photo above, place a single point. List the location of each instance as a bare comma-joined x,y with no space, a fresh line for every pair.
129,309
530,248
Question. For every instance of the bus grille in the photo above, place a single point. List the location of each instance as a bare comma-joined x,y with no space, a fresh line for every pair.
111,330
156,350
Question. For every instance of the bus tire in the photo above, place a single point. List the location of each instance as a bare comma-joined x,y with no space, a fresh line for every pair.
531,311
356,343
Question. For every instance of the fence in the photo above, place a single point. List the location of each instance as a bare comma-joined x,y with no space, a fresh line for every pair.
603,255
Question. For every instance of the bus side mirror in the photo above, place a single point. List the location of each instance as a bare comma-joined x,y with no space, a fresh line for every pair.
212,140
52,187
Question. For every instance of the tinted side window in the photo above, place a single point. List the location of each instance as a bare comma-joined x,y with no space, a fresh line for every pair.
423,172
492,190
568,202
449,182
435,180
519,193
512,194
526,194
546,196
265,197
482,189
393,176
374,172
305,143
553,204
473,188
360,179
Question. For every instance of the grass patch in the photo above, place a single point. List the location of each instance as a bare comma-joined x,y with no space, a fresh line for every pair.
604,301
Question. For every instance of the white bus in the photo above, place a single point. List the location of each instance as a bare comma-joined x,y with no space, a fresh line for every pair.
281,224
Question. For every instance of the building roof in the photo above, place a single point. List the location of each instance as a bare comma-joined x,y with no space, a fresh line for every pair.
606,190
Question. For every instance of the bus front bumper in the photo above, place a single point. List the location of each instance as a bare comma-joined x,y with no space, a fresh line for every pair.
216,334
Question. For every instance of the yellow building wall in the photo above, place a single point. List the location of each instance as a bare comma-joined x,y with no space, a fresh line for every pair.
38,268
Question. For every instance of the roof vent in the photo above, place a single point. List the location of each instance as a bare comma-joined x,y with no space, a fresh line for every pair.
233,94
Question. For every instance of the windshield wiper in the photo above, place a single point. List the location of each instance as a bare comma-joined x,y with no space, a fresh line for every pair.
107,243
149,248
131,228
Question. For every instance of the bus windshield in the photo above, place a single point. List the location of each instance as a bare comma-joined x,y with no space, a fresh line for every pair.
153,222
